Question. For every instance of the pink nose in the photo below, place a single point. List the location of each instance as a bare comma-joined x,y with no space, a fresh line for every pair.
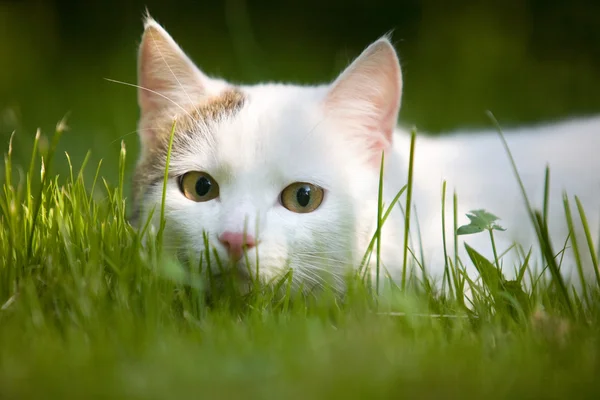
236,243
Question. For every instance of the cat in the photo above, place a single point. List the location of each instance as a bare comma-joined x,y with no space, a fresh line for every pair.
286,177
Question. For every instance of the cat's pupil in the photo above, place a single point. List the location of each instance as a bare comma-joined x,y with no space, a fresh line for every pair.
203,186
303,196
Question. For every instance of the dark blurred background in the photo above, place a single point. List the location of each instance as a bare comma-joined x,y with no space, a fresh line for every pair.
525,60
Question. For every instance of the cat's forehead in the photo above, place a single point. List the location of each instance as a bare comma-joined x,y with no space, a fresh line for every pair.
277,124
276,134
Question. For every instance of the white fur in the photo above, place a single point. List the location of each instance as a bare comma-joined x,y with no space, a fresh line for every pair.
477,167
279,137
288,133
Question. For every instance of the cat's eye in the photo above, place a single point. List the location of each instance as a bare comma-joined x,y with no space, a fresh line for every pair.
198,186
302,197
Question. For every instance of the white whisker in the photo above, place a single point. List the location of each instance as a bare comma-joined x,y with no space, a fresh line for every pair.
311,270
341,251
320,258
151,91
131,133
308,278
312,130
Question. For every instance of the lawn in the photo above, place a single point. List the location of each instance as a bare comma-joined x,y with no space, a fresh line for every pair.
89,309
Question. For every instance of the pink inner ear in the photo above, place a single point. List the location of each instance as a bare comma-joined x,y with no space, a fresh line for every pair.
167,77
149,78
379,143
150,85
367,96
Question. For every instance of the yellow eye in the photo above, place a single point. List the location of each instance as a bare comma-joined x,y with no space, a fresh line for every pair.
302,197
198,186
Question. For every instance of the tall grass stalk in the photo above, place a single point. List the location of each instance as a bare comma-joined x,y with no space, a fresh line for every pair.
413,137
164,189
539,224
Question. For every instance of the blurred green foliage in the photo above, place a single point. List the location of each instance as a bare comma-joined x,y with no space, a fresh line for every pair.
526,60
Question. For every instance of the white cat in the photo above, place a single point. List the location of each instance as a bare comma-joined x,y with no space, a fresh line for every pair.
288,176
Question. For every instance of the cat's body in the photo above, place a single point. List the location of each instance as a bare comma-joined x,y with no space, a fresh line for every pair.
476,166
288,175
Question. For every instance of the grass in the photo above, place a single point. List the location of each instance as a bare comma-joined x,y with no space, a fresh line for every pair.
87,307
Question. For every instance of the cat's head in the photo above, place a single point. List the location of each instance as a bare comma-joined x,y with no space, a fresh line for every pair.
289,174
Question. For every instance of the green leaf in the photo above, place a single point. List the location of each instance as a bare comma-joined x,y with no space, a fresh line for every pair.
468,229
514,289
502,291
523,268
480,220
490,275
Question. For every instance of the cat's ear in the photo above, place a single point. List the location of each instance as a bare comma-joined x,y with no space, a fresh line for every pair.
167,78
367,94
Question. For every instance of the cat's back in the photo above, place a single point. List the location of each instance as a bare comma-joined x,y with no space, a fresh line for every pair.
476,166
477,160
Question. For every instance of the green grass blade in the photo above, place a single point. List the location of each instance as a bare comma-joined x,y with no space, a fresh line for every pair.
588,236
408,206
575,246
379,222
46,169
539,224
446,267
161,229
